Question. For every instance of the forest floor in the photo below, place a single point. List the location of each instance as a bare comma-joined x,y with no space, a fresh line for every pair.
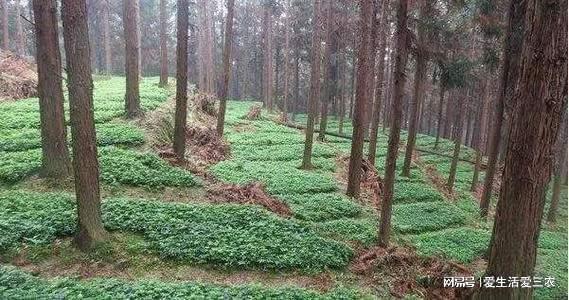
252,225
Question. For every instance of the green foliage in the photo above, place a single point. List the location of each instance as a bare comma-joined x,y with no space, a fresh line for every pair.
350,230
107,134
140,169
552,263
426,216
461,244
278,152
410,192
17,284
34,218
552,240
321,207
456,73
264,138
222,235
278,178
15,166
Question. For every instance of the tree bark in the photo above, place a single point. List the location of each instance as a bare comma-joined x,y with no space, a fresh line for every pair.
21,37
267,58
163,45
5,30
286,61
458,131
226,66
540,96
181,79
511,53
132,47
55,155
329,70
382,38
482,116
560,172
314,85
359,119
107,37
394,131
90,231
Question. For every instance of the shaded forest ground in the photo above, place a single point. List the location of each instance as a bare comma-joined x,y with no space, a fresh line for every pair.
166,228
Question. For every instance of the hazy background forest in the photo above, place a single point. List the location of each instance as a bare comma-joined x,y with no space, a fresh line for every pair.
268,149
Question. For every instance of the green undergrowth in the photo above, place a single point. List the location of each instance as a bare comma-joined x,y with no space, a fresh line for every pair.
427,216
279,152
17,284
460,244
321,207
362,230
117,166
230,236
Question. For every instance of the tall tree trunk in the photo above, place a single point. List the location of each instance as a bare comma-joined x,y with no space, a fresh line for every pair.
267,58
163,45
364,53
560,172
296,82
449,115
5,30
458,131
370,82
418,91
482,116
440,114
90,231
329,70
382,38
286,61
138,36
107,37
540,97
132,97
226,66
511,54
55,155
21,37
314,84
394,131
181,79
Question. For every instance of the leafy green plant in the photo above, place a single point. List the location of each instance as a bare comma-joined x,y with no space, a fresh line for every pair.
426,216
410,192
321,207
279,152
350,230
461,244
15,166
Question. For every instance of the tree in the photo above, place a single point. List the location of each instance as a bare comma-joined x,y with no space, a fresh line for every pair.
482,117
90,231
382,40
329,69
418,90
268,55
560,171
362,95
107,37
132,45
286,61
511,56
20,36
55,155
458,128
5,30
181,80
395,128
163,45
540,96
314,84
226,66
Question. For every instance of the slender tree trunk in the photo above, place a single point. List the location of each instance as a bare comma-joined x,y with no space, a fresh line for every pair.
286,61
163,45
21,37
449,115
382,38
370,82
329,71
138,36
418,91
353,84
90,231
458,131
482,116
364,53
181,79
540,96
5,30
314,84
107,37
560,172
511,53
55,155
132,98
296,82
267,58
440,115
226,66
394,131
